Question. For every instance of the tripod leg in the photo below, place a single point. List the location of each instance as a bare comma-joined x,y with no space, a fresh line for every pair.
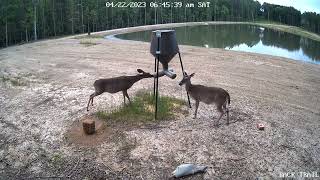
157,90
154,79
183,75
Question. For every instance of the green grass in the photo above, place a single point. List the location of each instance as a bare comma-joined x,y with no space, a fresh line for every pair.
141,109
87,42
14,81
92,36
56,159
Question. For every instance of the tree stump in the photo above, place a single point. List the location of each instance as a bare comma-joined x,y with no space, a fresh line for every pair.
89,126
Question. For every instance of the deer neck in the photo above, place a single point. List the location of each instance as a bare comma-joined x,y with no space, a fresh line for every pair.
188,85
137,78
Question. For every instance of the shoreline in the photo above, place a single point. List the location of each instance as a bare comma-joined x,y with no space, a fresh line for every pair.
289,29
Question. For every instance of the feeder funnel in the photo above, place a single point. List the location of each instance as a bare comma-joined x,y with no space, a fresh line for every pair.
164,47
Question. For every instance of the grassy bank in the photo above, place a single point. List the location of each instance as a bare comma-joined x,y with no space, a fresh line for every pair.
290,29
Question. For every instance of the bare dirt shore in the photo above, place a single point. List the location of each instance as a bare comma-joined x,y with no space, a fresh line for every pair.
44,88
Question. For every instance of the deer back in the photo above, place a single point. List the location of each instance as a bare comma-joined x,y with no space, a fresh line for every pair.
116,84
208,95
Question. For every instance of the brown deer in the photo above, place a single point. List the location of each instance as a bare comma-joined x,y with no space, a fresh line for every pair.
208,95
116,84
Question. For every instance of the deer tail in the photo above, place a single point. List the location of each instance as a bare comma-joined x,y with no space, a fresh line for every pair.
228,96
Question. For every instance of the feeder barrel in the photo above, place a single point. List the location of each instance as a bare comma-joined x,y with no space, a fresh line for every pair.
168,46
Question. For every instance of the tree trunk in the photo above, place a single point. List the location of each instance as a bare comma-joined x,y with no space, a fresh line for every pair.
128,23
171,18
7,33
107,18
54,19
43,21
61,20
89,32
35,22
252,16
82,25
72,18
145,16
27,39
155,15
111,18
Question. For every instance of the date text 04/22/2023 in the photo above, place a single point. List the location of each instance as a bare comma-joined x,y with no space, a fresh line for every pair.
143,4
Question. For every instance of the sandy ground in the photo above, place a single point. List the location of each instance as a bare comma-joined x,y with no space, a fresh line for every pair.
55,78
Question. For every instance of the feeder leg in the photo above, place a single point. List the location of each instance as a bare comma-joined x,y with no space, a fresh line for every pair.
182,76
154,79
157,90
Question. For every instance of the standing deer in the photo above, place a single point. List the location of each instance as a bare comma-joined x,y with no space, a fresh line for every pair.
116,84
208,95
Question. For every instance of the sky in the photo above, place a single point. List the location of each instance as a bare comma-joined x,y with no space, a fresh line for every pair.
302,5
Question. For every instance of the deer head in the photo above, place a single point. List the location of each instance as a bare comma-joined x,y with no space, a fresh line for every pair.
185,78
144,74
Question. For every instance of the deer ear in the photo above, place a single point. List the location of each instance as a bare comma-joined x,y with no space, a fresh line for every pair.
139,70
185,73
192,75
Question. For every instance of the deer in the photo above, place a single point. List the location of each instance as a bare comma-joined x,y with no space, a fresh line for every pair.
117,84
208,95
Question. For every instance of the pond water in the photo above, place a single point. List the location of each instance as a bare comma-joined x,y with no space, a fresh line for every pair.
242,37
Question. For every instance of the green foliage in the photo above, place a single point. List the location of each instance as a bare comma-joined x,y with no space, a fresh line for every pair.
311,21
142,109
64,17
282,14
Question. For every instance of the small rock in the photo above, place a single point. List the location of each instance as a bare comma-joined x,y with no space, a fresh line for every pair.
260,126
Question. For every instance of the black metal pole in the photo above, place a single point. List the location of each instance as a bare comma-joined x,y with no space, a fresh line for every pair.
182,76
157,90
157,81
154,79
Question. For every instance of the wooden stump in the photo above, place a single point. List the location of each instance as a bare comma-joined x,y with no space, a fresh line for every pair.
89,126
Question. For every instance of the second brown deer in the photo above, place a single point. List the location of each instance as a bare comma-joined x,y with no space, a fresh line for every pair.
117,84
208,95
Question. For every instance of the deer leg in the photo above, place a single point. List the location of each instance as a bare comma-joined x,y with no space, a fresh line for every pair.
227,111
228,116
90,100
124,98
196,111
221,113
126,94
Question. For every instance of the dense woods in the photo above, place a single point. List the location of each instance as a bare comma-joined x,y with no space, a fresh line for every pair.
25,20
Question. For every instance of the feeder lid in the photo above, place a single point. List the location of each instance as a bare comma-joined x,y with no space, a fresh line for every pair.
168,45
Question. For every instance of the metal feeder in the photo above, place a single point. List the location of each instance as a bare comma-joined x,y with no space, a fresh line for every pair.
164,47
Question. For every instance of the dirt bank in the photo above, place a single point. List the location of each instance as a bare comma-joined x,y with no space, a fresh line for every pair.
44,88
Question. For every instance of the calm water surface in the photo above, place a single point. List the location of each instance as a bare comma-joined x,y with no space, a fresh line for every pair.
243,37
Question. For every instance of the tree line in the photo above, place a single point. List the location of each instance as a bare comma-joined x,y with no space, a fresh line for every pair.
26,20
